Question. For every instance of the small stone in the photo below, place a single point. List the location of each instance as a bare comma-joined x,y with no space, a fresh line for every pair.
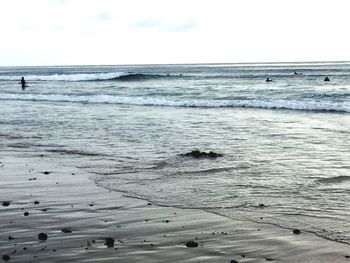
296,231
191,243
26,214
42,236
66,230
6,203
5,257
109,242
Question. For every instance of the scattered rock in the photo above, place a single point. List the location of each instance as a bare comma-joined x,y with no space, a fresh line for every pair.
191,243
269,259
261,205
6,203
199,154
26,214
66,230
36,202
296,231
5,258
42,236
149,203
109,242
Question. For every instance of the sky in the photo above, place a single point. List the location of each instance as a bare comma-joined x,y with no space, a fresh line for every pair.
110,32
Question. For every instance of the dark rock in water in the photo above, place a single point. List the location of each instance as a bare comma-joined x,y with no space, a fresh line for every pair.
26,214
66,230
42,236
46,172
261,205
6,203
199,154
191,243
109,242
269,259
233,261
5,258
296,231
36,202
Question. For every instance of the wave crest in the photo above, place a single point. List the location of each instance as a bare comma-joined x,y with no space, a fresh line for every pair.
121,76
303,105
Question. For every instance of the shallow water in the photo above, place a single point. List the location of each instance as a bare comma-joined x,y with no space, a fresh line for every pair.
285,143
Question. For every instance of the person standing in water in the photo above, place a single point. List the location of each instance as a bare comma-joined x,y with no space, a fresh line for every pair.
23,83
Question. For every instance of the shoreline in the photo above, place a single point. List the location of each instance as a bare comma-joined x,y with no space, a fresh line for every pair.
78,216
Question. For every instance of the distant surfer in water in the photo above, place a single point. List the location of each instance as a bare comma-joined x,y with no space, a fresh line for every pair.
268,80
23,83
326,78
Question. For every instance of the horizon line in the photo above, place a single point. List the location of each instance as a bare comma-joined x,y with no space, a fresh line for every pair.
178,64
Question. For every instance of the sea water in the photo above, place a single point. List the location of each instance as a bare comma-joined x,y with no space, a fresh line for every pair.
285,143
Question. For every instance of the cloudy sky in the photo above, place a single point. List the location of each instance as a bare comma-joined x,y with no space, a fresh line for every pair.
76,32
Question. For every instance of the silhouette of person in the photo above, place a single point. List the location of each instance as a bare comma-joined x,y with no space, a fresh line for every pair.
23,83
326,78
268,80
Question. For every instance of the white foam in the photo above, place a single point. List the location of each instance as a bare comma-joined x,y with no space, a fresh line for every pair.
66,77
308,105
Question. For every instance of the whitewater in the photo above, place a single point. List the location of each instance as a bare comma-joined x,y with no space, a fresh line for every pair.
284,143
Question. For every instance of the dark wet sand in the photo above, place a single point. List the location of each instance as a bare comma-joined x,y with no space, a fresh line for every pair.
78,216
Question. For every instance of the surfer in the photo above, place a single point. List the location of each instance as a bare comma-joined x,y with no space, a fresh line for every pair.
326,78
268,80
23,83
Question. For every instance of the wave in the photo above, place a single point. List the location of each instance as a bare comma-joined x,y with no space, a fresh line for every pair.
122,76
303,105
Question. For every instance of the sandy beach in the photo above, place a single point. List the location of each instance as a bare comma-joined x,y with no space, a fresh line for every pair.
49,195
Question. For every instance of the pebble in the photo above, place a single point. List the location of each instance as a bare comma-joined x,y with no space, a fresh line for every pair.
296,231
109,242
191,243
42,236
66,230
5,257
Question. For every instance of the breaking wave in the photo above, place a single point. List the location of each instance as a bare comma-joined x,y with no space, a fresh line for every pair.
121,76
303,105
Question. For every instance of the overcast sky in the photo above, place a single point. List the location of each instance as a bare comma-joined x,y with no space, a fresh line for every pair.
75,32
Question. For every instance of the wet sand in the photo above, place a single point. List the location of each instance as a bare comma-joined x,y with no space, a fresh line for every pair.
77,216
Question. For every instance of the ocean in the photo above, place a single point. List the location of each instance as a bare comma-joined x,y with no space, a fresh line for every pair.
285,143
